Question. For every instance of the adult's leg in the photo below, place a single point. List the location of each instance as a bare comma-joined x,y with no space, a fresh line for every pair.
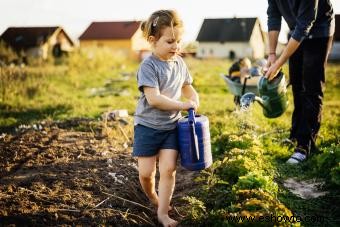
315,53
147,173
295,79
167,170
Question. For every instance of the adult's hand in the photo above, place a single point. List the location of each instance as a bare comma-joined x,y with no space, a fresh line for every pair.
276,64
271,60
273,71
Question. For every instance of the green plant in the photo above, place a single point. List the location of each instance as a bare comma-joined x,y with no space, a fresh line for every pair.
335,174
7,54
197,209
256,181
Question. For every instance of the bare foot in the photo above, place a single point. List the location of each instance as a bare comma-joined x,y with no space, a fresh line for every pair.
166,221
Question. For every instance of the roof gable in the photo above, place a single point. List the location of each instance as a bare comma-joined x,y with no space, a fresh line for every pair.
226,29
110,30
26,37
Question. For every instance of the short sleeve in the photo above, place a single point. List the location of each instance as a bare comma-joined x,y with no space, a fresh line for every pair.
146,76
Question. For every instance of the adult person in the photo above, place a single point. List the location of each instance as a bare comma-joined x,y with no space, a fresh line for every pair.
311,24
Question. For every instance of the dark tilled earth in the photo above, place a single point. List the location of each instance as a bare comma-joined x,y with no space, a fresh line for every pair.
77,172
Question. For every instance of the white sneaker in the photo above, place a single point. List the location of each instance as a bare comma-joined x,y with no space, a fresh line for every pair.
296,158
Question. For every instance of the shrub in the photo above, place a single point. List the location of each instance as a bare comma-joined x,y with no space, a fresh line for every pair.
327,164
335,174
197,209
7,54
256,181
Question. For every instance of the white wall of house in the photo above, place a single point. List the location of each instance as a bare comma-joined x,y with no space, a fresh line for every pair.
38,52
335,51
60,37
257,42
255,48
139,43
219,50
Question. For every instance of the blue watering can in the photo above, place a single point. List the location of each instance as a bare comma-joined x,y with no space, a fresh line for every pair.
194,141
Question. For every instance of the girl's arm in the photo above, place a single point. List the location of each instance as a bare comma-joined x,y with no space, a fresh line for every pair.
190,93
162,102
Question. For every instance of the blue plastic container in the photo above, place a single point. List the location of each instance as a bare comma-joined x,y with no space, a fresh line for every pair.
194,141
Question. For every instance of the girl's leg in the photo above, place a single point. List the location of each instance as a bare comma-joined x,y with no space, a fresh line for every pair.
147,173
167,170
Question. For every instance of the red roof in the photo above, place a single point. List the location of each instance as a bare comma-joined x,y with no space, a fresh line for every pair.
110,30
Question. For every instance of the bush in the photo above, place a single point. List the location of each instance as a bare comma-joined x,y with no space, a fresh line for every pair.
335,174
7,54
256,181
197,209
226,142
328,164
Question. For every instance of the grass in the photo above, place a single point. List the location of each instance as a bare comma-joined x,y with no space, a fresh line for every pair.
249,153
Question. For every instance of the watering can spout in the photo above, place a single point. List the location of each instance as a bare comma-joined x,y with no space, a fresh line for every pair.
273,98
249,98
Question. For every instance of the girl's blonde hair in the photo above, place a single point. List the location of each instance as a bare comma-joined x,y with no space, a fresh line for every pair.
158,21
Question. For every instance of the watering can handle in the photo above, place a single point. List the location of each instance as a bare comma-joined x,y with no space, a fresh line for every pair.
193,135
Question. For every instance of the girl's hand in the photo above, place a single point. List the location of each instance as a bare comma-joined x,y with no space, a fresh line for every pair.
189,104
196,101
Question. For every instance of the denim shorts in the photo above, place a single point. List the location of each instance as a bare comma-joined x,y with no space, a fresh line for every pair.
148,141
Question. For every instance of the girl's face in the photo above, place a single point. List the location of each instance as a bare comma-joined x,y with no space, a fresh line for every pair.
168,45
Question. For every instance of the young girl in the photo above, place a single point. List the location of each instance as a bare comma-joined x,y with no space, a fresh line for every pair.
162,78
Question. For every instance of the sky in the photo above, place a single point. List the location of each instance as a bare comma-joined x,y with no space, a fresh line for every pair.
76,15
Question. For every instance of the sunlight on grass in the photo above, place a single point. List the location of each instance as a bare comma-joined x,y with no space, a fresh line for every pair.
249,150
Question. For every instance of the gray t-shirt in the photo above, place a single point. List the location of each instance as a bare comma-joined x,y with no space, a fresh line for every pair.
169,77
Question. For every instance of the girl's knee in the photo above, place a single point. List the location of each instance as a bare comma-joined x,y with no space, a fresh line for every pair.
168,171
147,176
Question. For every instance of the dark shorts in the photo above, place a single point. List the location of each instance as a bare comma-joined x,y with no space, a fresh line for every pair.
148,141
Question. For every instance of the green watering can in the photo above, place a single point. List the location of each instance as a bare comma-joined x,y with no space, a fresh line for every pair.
273,96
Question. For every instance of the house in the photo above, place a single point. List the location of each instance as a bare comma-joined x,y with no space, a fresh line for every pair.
124,37
335,51
231,38
38,42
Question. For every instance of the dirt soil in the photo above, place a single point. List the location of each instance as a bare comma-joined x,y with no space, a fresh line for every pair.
77,172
